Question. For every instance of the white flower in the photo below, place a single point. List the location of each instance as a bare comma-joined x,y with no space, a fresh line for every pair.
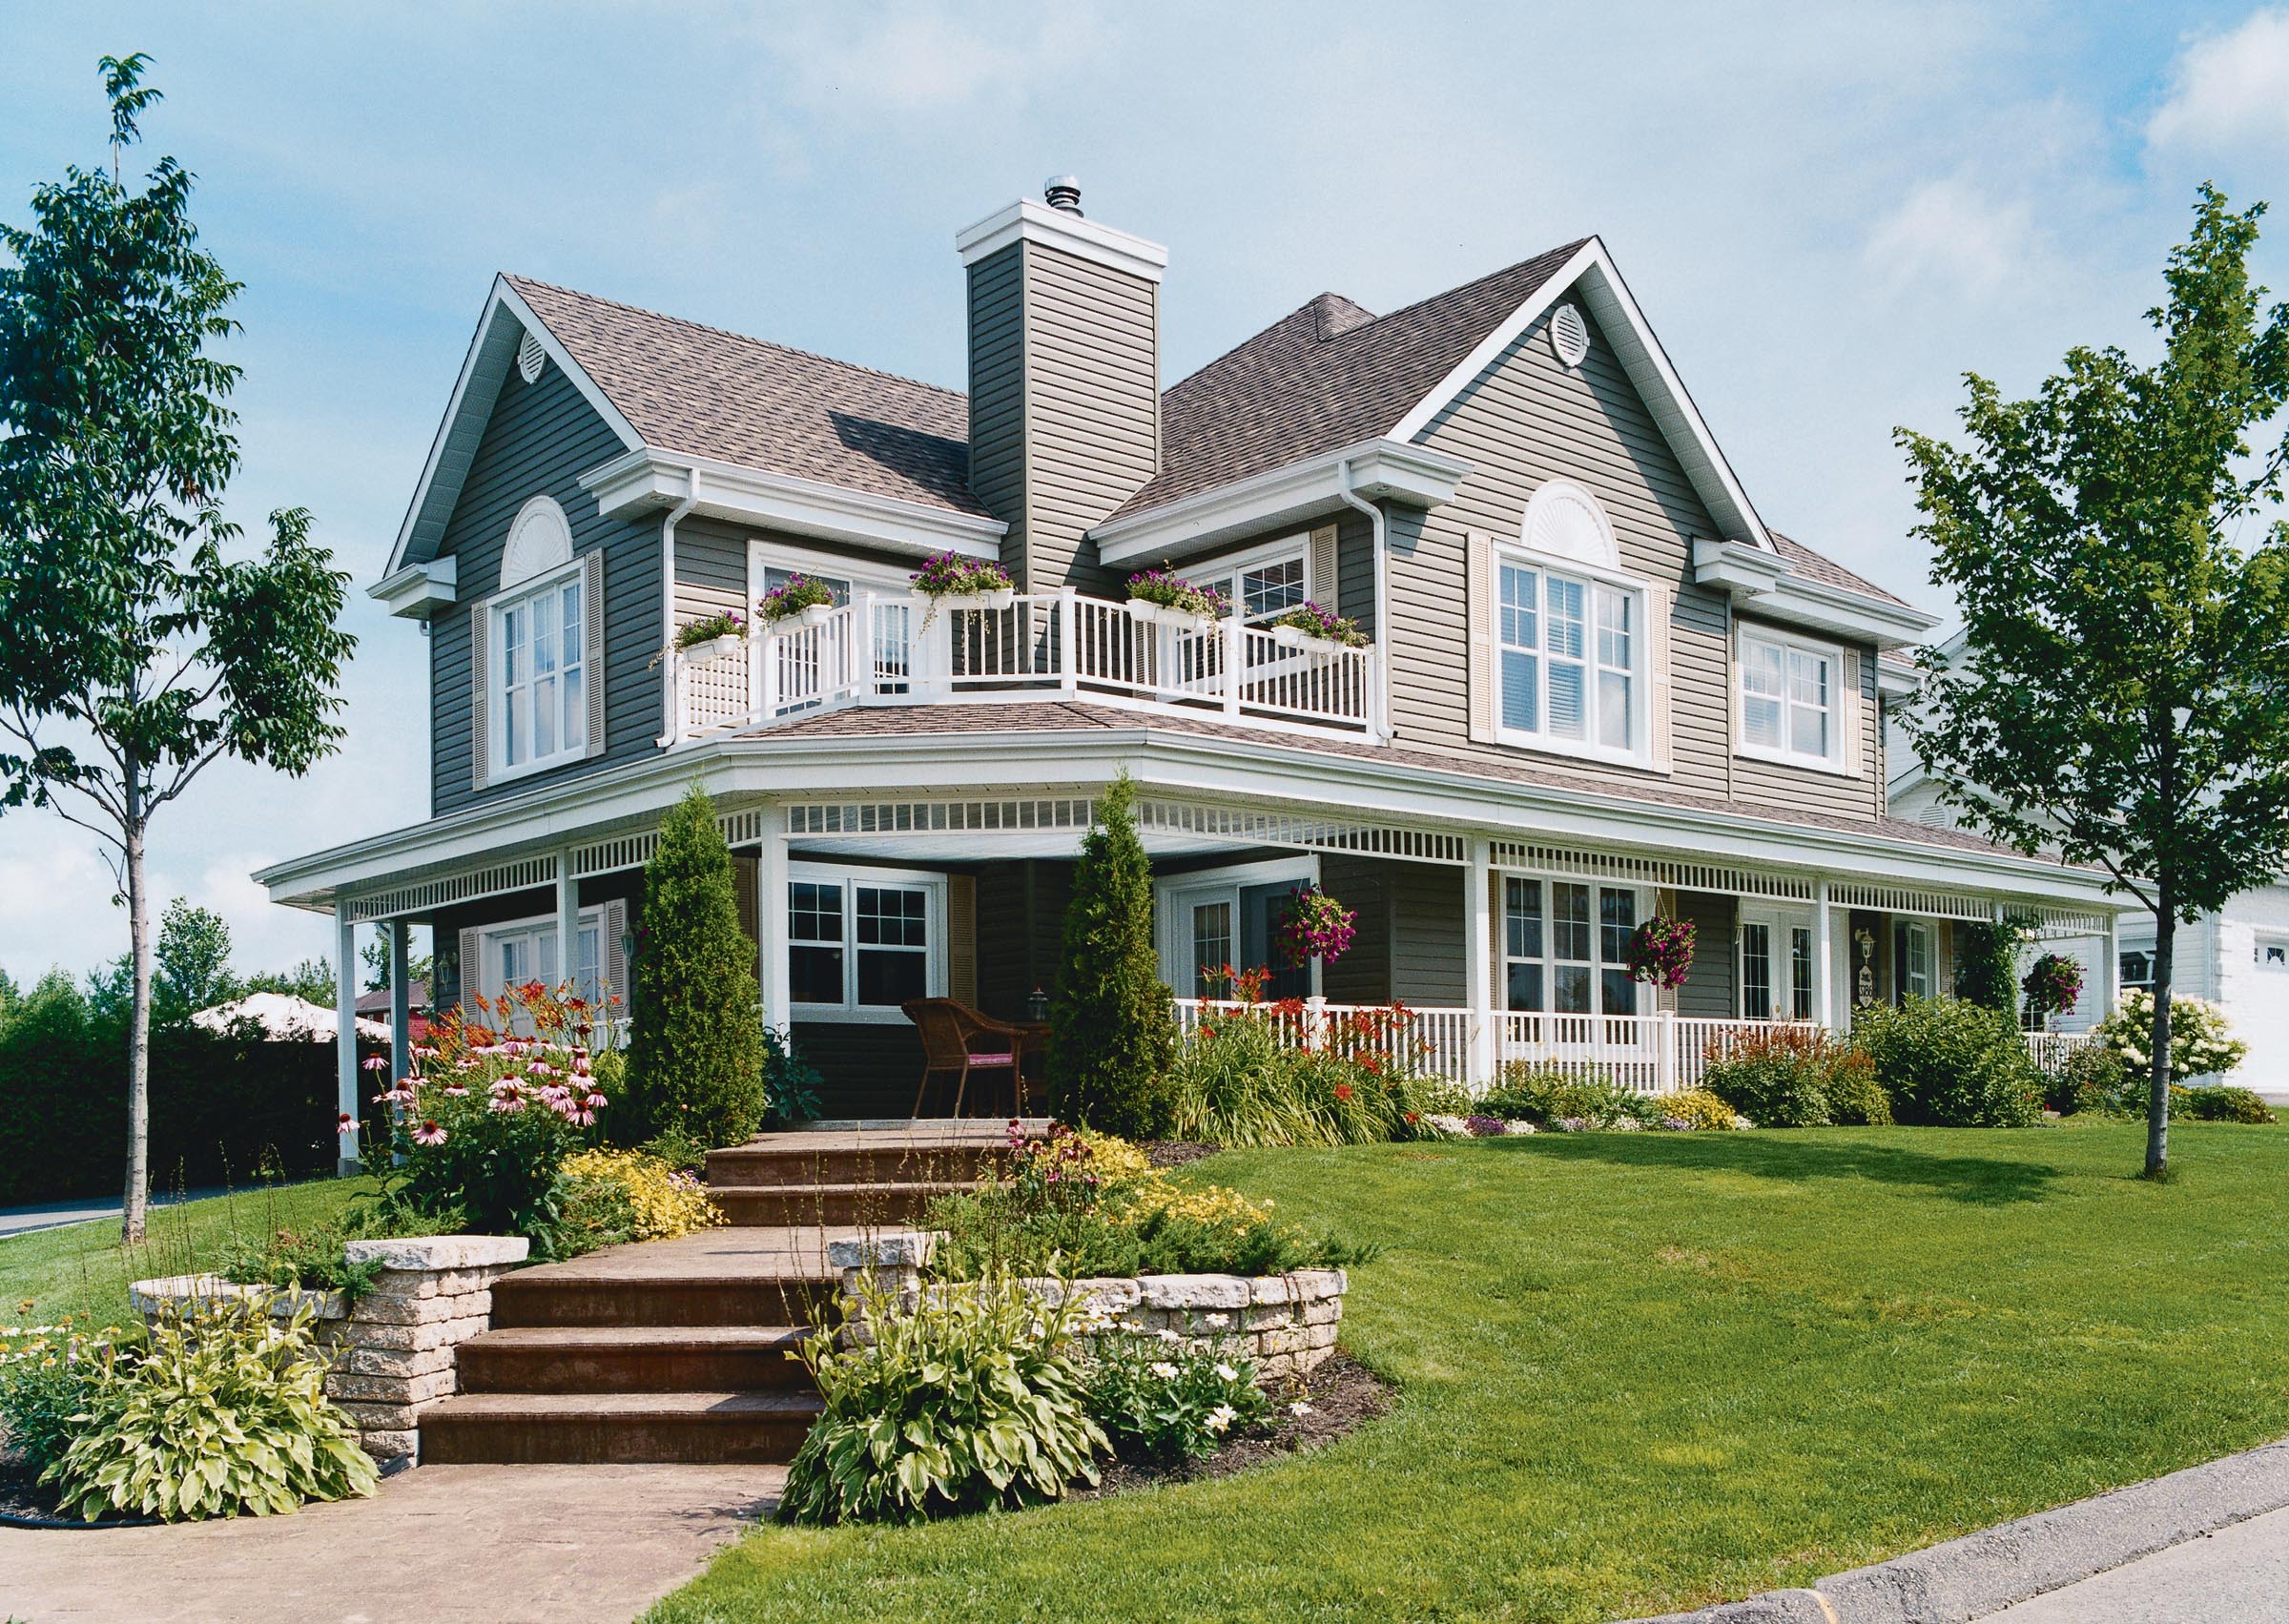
1166,1335
1300,1407
1224,1372
1215,1322
1165,1370
1221,1417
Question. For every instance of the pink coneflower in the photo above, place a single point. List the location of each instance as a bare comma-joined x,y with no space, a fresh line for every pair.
505,1103
348,1123
455,1091
555,1095
541,1068
374,1063
422,1053
595,1102
428,1133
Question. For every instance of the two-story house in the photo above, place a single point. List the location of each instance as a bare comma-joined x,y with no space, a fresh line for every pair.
1596,687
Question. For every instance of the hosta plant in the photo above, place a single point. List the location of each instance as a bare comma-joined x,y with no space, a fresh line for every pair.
222,1412
967,1398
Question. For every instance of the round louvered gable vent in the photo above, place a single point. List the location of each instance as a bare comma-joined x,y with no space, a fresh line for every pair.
1570,335
532,358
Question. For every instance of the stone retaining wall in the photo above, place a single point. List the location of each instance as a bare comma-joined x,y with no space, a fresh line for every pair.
1287,1322
394,1346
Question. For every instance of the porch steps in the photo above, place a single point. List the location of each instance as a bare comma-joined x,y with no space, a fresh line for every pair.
678,1351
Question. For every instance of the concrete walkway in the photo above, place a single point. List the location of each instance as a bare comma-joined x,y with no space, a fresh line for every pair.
440,1545
2237,1575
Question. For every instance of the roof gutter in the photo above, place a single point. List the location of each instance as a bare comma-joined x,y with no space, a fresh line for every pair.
669,708
1381,697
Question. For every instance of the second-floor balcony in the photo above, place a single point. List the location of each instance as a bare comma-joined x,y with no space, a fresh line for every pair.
909,648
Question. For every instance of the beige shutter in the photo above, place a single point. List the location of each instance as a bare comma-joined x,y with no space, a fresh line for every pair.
1480,599
1319,568
1848,717
747,881
472,964
616,953
592,626
480,694
1660,698
961,938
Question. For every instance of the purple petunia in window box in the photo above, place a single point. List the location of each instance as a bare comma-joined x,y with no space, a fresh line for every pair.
1660,952
1165,588
793,596
1311,622
1313,925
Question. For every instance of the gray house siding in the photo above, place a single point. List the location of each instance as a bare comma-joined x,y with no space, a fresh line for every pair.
539,439
1527,420
711,563
998,396
1708,990
1427,956
1361,884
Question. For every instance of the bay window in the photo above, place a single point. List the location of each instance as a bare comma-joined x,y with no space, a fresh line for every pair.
1791,699
1571,653
862,942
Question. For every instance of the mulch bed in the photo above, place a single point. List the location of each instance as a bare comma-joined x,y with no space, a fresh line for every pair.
24,1503
1176,1152
1345,1396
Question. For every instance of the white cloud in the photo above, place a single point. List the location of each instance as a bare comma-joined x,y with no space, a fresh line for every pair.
918,60
1952,234
2229,91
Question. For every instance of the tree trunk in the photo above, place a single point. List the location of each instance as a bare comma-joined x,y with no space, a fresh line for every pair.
138,1042
2158,1096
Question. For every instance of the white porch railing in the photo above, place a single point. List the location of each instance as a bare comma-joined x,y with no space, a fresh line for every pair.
1647,1054
907,649
2051,1050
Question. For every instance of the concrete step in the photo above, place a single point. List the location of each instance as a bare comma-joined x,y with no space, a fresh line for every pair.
761,1206
624,1359
695,1426
783,1296
785,1161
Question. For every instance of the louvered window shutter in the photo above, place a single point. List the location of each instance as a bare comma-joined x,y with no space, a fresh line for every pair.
1319,565
591,596
961,938
1660,696
480,694
1480,602
746,879
616,955
472,969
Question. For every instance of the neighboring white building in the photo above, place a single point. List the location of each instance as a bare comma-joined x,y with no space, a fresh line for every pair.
2239,957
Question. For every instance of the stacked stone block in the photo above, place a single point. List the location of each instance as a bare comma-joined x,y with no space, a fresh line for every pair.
432,1294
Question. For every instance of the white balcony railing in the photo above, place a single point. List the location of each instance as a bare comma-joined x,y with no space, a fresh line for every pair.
1648,1054
2051,1050
908,650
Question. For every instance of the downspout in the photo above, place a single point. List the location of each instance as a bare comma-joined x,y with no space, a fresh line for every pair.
1380,551
671,722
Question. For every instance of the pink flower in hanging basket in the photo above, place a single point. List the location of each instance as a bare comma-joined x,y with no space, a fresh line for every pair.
1660,952
1314,925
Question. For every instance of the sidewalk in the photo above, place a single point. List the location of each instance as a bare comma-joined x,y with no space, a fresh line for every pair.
2237,1575
55,1215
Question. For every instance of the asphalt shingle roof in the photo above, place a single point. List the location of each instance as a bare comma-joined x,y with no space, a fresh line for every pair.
1819,567
701,390
1324,375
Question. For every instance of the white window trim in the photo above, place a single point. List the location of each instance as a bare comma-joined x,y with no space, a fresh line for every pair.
1174,897
1899,969
1641,906
496,735
1838,760
1224,569
935,975
1641,670
1778,922
489,982
870,575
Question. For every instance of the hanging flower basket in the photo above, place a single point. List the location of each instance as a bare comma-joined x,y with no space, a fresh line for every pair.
2052,986
1660,952
1313,925
797,595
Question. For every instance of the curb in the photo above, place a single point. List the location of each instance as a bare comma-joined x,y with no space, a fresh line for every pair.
1983,1572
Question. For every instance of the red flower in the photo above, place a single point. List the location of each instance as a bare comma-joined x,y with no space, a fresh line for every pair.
1343,1091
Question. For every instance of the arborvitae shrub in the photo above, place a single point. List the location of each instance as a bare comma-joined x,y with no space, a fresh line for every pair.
695,1059
1112,1032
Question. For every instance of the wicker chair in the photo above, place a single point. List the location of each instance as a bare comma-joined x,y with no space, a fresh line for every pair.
957,1040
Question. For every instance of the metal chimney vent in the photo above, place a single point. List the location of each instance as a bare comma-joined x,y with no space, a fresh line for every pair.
1061,192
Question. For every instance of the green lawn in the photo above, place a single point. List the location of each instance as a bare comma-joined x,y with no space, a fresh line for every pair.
1646,1371
84,1271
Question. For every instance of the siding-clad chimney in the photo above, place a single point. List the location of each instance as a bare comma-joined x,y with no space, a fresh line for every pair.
1064,379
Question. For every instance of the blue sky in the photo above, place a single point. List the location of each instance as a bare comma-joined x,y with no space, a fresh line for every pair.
1828,211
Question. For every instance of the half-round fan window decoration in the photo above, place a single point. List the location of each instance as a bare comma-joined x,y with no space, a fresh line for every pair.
1565,521
540,537
532,358
1570,335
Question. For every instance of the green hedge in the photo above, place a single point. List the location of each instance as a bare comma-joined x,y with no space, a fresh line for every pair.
219,1106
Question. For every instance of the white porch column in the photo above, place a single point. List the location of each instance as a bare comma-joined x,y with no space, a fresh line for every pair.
345,1032
2110,973
567,922
1825,958
771,916
401,1000
1479,959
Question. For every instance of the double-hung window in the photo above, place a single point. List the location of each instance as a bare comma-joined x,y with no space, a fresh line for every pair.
1792,700
1911,956
540,702
1571,650
525,950
1566,946
862,942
